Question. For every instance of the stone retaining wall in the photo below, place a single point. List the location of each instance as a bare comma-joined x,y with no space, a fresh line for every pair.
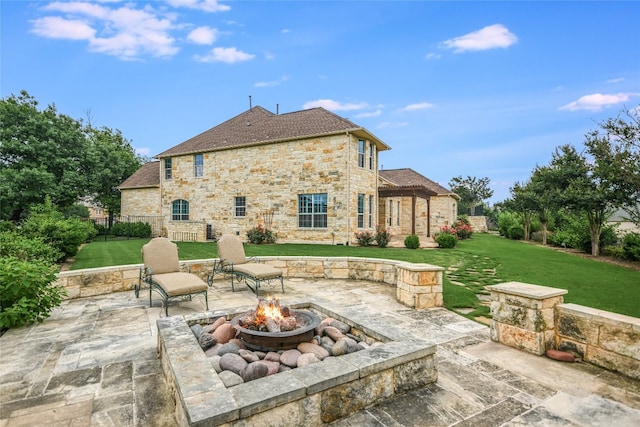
535,319
418,285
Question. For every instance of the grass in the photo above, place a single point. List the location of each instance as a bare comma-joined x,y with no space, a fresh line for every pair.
483,260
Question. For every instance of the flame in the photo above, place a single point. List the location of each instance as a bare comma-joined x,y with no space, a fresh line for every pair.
268,309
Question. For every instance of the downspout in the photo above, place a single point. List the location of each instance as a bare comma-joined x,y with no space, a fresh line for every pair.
413,213
429,217
348,188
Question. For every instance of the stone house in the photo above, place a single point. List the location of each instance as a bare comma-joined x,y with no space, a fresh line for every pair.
311,176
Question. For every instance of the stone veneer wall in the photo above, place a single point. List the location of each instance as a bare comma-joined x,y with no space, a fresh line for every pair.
418,285
535,319
140,201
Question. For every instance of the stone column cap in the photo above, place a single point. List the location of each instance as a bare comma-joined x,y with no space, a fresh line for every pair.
527,290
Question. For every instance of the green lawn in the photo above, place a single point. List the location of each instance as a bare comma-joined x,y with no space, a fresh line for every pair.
483,260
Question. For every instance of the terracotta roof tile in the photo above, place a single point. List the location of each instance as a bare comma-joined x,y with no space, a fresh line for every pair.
409,178
259,126
147,176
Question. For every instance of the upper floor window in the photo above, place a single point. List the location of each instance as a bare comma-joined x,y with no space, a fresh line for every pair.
370,211
360,210
312,210
372,150
167,169
361,146
241,206
198,165
390,213
180,210
398,214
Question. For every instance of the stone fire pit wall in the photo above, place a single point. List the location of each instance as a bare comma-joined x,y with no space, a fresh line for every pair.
312,396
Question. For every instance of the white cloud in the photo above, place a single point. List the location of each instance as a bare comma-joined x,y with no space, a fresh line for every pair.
419,106
55,27
143,151
332,105
433,55
229,55
597,101
490,37
285,31
204,5
272,82
203,35
618,80
369,114
384,125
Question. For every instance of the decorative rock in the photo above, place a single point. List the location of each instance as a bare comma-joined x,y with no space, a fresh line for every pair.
284,368
219,321
353,337
213,351
272,357
254,370
260,354
237,342
328,341
307,359
351,344
224,333
307,347
228,348
197,330
206,341
290,358
233,362
229,379
333,333
562,356
341,326
323,324
274,367
340,348
215,362
248,355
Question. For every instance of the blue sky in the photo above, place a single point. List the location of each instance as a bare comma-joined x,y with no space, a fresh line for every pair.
485,89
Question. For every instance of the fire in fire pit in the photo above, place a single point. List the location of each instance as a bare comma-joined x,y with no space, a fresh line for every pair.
271,327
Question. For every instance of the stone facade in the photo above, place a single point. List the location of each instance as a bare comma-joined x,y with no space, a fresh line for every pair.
140,201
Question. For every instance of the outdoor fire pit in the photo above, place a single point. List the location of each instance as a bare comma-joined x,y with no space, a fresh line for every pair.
272,328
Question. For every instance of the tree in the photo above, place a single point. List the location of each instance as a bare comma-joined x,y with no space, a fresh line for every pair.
42,153
471,190
544,198
112,160
616,152
524,202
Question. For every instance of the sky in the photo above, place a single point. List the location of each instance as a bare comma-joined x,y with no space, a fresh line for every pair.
455,88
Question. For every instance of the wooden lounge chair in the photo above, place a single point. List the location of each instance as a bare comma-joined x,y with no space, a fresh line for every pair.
233,262
162,273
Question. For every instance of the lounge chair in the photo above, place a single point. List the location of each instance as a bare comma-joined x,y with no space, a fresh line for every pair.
162,273
233,262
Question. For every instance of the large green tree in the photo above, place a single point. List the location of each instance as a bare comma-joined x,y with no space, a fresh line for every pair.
46,153
524,203
472,191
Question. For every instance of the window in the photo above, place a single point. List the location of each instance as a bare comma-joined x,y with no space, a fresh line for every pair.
372,149
198,165
398,214
361,153
180,210
390,213
241,206
360,210
167,169
312,210
370,211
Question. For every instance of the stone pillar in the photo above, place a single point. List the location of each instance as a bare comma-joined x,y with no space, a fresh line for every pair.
419,285
523,315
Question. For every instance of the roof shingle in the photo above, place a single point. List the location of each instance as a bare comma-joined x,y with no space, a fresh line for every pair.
407,177
147,176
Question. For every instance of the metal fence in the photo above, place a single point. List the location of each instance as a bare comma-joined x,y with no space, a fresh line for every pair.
128,227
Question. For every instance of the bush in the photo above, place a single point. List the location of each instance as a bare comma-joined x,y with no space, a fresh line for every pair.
631,246
516,232
364,238
16,245
383,237
131,229
537,236
7,226
505,221
26,291
260,235
614,251
446,240
412,241
463,228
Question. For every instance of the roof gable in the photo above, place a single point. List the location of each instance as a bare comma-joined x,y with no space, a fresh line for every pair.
259,126
147,176
407,177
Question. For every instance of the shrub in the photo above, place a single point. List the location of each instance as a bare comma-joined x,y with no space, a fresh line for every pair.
383,237
7,226
537,236
463,228
412,241
631,246
364,238
614,251
16,245
446,240
505,221
516,232
131,229
260,235
26,291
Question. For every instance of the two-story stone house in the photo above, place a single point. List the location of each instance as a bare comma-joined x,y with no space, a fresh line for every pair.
310,176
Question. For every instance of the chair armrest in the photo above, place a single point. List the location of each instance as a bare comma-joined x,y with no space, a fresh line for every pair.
254,259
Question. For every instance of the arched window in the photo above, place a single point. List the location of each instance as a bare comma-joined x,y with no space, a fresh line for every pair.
180,210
